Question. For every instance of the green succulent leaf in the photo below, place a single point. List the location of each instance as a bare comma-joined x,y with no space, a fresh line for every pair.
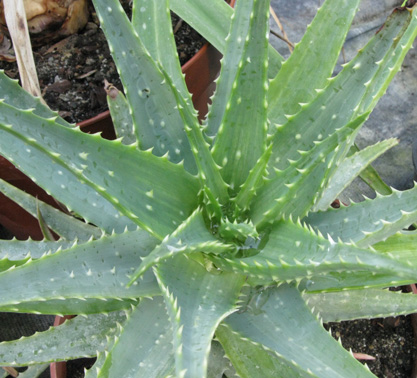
76,338
371,177
312,61
64,225
34,371
238,120
370,221
12,94
148,189
152,22
251,359
349,169
360,304
197,302
143,348
212,19
152,104
294,190
218,364
276,325
354,91
293,253
120,114
191,236
99,270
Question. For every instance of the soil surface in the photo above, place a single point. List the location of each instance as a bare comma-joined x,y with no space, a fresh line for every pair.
71,74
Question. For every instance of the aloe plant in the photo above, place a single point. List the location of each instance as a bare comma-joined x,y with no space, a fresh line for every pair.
209,250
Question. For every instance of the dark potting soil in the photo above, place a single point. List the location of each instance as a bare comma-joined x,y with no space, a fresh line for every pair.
72,71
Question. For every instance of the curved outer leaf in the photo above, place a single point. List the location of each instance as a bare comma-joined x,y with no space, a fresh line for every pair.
252,359
237,118
349,169
283,323
98,270
312,60
153,105
212,20
360,304
354,91
293,252
370,221
155,193
144,347
76,338
13,94
292,192
64,225
197,302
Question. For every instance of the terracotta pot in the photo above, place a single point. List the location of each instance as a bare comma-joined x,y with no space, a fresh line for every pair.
200,72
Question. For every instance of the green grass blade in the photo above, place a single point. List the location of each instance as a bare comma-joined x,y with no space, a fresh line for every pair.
144,347
312,61
197,302
76,338
237,118
285,324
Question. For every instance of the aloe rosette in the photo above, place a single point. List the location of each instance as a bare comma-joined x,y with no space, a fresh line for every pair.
203,250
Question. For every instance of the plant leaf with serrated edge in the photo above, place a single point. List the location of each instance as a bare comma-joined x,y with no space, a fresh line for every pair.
292,192
64,225
237,119
250,358
158,38
360,304
370,221
312,60
197,302
219,365
354,91
349,169
155,194
191,236
148,333
153,105
285,325
293,253
120,114
212,20
12,94
371,177
76,338
98,270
